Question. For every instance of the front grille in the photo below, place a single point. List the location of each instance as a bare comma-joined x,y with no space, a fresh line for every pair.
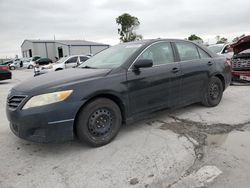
241,64
14,101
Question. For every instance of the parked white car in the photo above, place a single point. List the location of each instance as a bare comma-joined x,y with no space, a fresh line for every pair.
221,49
28,63
15,63
31,63
66,62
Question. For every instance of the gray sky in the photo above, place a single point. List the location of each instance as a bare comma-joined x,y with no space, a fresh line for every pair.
94,20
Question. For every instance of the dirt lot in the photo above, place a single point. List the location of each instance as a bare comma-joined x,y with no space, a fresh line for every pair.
190,147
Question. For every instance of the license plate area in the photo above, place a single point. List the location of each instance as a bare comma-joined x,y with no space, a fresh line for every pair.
246,78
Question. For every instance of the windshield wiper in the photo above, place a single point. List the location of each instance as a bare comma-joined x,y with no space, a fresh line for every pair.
88,67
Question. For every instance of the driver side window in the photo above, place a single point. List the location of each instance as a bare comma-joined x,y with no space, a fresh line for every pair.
72,60
159,53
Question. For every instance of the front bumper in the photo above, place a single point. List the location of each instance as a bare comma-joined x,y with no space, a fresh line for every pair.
51,123
236,75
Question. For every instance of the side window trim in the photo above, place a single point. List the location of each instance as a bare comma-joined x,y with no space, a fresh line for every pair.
175,52
199,52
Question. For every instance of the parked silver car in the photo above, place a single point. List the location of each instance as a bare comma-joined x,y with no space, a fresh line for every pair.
66,62
221,49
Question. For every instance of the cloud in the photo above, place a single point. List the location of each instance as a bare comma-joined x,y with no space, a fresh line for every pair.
94,20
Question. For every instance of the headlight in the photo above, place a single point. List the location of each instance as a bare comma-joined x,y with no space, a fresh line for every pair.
48,98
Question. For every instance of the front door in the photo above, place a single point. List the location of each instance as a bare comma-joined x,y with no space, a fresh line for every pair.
155,87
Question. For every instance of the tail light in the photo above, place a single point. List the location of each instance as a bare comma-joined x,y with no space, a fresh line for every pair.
4,68
228,62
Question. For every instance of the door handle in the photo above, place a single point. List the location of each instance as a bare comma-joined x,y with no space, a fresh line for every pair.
175,70
210,63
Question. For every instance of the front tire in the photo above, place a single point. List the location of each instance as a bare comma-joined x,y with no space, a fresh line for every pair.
99,122
213,92
12,68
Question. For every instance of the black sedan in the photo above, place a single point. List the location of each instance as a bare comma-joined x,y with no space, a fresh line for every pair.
115,87
5,74
43,61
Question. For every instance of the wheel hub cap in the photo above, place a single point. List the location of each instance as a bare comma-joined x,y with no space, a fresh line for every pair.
214,91
100,122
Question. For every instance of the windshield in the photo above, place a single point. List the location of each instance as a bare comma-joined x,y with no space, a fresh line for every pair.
215,48
35,58
112,57
62,60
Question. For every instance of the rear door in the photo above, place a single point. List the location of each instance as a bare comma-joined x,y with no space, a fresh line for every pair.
196,66
158,86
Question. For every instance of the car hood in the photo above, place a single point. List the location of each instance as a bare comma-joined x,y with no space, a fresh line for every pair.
57,65
241,45
55,80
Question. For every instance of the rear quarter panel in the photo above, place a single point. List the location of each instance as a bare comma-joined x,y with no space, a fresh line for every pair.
223,69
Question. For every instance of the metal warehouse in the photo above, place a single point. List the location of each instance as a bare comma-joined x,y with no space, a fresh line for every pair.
60,48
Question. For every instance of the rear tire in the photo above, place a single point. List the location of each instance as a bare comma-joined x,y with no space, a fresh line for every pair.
99,122
213,92
30,67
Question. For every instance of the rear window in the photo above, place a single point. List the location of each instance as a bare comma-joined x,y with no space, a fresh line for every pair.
215,48
35,58
83,58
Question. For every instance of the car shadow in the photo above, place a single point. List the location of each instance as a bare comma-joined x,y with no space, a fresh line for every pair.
240,84
4,82
76,146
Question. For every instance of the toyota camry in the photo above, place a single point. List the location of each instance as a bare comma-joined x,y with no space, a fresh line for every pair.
115,87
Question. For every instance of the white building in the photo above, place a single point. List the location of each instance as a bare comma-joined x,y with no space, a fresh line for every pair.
60,48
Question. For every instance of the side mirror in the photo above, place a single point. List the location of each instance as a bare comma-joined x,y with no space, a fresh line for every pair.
143,63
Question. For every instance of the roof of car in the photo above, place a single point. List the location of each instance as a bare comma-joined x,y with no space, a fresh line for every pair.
221,44
148,41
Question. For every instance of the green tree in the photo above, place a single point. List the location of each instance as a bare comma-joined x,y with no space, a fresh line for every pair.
238,38
195,38
127,26
217,38
221,40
